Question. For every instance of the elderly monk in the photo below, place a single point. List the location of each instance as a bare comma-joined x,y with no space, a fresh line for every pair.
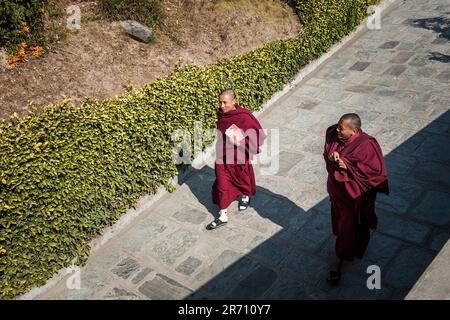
240,136
356,173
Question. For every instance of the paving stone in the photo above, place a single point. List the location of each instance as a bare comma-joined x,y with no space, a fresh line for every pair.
189,265
434,148
434,208
305,119
278,210
444,76
312,172
120,294
389,45
395,70
223,275
333,95
307,91
175,245
444,102
254,285
366,55
360,66
381,249
406,46
362,101
314,233
92,283
402,228
126,268
425,71
308,199
419,61
407,267
361,89
146,231
141,275
438,127
164,288
331,108
389,137
287,160
191,215
435,173
438,240
309,144
289,233
279,186
440,115
399,164
306,267
377,68
355,288
286,289
440,40
307,103
401,195
271,251
409,146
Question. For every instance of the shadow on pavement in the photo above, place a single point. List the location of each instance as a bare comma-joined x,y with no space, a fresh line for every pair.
292,263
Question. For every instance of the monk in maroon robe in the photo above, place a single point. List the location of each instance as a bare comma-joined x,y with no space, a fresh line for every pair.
240,136
356,173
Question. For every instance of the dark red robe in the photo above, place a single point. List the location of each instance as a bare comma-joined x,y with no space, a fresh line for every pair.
353,191
234,171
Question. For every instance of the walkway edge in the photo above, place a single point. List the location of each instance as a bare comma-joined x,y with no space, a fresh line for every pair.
147,201
433,284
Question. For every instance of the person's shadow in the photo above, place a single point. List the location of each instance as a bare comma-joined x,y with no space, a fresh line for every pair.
282,257
291,257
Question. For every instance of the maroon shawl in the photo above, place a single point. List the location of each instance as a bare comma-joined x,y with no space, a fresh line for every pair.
255,136
365,162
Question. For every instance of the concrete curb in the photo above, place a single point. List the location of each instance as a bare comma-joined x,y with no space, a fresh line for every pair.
147,201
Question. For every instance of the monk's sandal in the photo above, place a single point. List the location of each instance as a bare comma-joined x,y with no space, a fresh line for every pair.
244,204
334,277
216,224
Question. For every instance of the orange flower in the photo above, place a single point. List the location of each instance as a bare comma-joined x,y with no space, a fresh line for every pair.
12,61
26,30
36,51
21,54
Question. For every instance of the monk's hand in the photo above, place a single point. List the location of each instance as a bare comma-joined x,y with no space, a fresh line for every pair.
334,156
341,164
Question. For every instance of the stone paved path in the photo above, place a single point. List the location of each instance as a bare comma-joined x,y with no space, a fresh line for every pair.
398,80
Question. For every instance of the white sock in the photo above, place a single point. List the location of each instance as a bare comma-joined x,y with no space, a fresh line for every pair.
245,198
223,215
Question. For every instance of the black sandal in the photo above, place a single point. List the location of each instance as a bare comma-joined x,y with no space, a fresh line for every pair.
243,205
334,276
215,224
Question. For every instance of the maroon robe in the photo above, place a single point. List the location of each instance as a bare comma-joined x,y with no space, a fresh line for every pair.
353,191
234,171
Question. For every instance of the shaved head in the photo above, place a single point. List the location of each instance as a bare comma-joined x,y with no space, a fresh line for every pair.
227,100
228,92
352,120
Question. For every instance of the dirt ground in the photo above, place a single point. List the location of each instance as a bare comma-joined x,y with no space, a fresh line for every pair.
100,60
